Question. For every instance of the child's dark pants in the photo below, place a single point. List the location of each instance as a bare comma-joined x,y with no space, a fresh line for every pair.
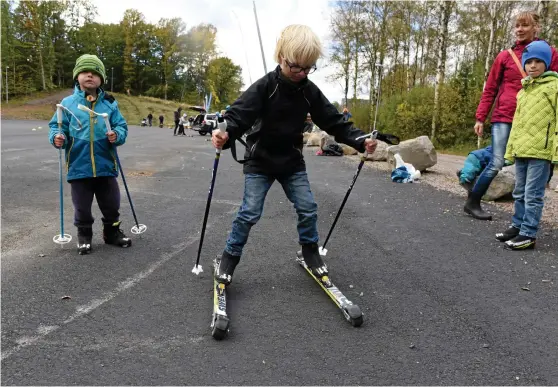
106,191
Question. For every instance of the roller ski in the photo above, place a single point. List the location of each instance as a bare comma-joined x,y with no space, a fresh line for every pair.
224,269
310,259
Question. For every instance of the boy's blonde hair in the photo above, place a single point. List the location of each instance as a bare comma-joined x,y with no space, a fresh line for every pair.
298,44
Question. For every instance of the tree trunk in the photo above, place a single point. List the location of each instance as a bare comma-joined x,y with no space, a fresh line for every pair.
445,13
42,68
492,10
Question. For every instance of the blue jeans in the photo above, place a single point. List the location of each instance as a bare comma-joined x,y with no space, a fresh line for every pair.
256,186
530,180
500,135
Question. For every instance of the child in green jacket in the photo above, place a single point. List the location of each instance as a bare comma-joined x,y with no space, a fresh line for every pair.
533,145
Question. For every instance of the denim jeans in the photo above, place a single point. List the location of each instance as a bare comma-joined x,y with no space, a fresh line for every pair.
530,180
256,186
500,135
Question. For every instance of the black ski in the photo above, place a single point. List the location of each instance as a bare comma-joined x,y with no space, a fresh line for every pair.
351,311
220,319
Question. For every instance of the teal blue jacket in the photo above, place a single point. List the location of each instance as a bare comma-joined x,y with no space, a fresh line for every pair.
88,150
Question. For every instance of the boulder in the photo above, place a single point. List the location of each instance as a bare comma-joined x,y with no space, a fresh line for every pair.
380,154
419,152
314,139
348,151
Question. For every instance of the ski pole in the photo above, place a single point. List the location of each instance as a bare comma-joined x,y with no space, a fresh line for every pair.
222,127
61,238
138,228
373,135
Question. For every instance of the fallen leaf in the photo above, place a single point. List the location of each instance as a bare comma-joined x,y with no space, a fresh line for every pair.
545,280
524,288
42,255
66,298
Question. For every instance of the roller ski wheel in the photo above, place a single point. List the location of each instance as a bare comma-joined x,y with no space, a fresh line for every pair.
351,312
220,328
353,315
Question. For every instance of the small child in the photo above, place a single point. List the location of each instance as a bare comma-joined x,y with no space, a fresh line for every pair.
90,160
533,145
275,108
473,166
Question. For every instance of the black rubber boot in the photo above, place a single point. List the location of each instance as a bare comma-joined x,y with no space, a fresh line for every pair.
520,242
510,233
313,259
473,207
113,235
85,234
225,271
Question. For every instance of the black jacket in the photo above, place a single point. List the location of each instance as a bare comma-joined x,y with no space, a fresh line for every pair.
274,109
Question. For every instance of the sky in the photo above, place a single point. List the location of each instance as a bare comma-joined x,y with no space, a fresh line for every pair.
237,36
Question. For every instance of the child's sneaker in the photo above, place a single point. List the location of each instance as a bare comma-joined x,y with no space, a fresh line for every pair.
85,234
520,242
510,233
113,235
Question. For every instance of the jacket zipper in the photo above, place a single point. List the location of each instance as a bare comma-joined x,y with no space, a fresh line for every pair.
92,139
69,154
547,134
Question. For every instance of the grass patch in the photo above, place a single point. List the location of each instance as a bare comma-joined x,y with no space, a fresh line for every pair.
462,149
41,106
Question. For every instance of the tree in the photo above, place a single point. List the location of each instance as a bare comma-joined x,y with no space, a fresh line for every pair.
446,8
224,81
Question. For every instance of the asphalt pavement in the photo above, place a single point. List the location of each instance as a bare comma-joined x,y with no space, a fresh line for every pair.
443,302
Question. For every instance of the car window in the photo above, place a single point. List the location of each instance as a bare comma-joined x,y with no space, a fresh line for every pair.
210,117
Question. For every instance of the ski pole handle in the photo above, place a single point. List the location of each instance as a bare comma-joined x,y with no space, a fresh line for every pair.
107,122
372,135
59,116
222,128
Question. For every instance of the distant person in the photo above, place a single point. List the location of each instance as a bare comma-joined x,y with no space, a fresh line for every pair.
182,123
150,119
176,120
346,114
161,120
308,124
90,160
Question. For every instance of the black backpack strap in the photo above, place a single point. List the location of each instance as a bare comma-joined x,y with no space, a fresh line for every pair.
233,150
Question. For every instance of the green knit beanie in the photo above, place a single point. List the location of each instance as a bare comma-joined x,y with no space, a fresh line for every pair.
92,63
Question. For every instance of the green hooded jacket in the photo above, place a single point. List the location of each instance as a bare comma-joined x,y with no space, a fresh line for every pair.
534,132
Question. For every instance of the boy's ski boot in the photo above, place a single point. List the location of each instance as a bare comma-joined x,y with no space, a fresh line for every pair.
225,271
85,234
113,235
520,242
510,233
313,260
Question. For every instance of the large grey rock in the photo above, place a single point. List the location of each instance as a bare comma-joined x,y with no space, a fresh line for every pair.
348,150
501,187
314,139
419,151
380,154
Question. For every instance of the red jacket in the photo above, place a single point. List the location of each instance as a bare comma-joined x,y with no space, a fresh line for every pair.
503,84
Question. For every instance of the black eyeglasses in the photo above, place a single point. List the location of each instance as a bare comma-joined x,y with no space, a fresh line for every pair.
297,69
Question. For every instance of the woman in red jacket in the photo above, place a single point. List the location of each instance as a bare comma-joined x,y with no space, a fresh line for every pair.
502,86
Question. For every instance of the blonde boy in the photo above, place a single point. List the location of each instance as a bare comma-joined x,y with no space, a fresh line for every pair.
275,108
